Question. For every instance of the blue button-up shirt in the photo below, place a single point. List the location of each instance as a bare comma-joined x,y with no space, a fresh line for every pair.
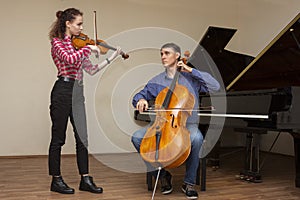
196,82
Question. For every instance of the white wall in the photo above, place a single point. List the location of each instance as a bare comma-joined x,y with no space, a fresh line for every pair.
28,72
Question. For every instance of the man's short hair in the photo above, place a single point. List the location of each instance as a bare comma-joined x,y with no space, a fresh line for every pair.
175,47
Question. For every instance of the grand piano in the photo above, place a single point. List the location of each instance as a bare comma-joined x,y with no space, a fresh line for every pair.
267,85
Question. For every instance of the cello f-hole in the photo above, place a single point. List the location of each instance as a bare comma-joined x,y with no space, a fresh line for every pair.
173,121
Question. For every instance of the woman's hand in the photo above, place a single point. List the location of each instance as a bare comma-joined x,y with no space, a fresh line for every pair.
94,49
115,53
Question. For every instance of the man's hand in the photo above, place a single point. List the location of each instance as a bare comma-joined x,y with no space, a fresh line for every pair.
184,67
142,105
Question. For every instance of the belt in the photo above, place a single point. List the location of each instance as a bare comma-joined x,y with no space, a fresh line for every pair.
66,79
70,80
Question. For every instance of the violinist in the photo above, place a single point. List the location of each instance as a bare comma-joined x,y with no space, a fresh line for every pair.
195,81
67,100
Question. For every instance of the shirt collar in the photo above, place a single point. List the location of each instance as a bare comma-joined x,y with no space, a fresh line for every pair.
167,77
67,38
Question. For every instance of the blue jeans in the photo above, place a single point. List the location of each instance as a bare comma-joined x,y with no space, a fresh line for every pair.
192,161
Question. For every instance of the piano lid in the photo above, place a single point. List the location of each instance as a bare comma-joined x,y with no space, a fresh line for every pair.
277,66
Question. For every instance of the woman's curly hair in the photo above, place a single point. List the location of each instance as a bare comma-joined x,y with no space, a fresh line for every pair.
58,28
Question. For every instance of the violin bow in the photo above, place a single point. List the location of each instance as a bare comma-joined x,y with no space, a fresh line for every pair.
95,31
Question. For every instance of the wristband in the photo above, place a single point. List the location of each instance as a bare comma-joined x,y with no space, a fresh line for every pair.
107,61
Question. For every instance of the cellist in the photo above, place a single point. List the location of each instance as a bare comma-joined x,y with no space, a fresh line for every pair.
196,81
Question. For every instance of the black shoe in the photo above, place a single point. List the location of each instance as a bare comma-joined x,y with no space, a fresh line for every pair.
87,184
58,185
189,191
166,183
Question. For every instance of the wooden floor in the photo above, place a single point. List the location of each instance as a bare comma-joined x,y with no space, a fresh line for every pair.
26,178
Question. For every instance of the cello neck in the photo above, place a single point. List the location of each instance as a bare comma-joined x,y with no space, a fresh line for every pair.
170,91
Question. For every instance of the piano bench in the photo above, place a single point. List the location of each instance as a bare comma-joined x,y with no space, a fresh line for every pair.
200,180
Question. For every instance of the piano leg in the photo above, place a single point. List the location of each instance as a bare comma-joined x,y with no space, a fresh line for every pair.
251,170
297,158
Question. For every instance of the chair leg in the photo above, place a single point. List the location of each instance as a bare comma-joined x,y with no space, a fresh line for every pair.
203,174
198,174
149,181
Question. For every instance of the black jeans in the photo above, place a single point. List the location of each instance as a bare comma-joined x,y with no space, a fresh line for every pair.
67,100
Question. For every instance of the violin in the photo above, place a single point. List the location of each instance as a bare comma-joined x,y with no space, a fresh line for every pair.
81,40
167,142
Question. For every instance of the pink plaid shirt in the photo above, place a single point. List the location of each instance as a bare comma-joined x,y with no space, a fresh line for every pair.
69,61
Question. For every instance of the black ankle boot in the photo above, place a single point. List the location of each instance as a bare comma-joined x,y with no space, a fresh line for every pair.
58,185
87,184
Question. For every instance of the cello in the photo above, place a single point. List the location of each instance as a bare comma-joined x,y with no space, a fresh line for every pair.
167,141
